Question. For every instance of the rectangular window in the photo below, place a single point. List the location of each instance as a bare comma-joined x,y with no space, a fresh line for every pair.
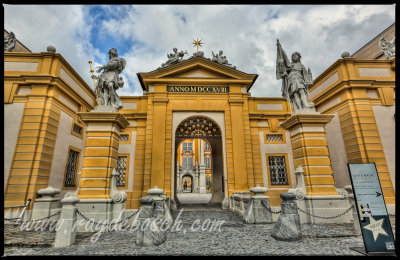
277,170
187,146
208,164
190,163
274,138
184,162
124,137
207,147
70,172
121,169
77,129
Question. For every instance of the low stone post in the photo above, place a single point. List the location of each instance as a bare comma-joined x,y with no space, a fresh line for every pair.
356,220
256,211
46,204
159,196
66,232
148,232
288,227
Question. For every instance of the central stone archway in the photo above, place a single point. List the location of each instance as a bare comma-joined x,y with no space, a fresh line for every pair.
205,128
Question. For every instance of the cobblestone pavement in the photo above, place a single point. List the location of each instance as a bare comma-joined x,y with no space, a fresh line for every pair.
233,237
194,198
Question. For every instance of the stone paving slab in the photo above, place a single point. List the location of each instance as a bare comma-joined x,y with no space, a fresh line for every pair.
235,238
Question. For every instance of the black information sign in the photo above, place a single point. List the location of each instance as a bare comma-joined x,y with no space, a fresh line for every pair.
374,220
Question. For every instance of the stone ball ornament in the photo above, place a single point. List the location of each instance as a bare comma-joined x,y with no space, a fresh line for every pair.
51,48
345,54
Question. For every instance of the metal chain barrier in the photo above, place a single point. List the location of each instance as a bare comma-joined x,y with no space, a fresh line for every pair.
341,214
278,212
80,214
33,220
103,224
273,212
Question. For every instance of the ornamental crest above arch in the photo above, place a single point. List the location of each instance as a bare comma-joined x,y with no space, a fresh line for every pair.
197,127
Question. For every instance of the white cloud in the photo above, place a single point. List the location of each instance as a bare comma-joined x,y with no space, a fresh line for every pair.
246,34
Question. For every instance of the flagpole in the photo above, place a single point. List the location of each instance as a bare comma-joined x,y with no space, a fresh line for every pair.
94,81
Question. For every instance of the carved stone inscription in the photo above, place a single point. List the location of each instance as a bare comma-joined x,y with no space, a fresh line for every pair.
201,89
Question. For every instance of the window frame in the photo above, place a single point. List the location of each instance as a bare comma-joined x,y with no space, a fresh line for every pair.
76,168
287,170
129,138
75,122
275,133
127,169
209,162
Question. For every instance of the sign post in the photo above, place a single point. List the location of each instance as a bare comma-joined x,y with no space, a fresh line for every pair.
373,217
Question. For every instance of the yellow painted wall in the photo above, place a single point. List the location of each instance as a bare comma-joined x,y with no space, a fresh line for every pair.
34,79
359,85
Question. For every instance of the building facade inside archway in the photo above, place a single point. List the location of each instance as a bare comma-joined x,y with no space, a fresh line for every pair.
194,166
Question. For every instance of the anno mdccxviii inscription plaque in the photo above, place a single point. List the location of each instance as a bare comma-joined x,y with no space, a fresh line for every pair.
198,89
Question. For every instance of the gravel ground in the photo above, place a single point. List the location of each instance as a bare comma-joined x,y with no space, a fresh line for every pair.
233,237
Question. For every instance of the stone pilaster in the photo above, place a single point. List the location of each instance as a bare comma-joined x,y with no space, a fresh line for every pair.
99,160
202,184
318,197
101,153
310,150
238,142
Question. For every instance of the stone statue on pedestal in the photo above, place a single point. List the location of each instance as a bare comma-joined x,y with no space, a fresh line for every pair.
108,82
295,80
388,47
174,58
9,42
219,58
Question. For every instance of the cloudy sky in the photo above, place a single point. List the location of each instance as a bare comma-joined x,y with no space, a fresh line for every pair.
247,34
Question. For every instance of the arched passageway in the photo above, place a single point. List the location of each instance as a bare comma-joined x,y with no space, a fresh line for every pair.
198,146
